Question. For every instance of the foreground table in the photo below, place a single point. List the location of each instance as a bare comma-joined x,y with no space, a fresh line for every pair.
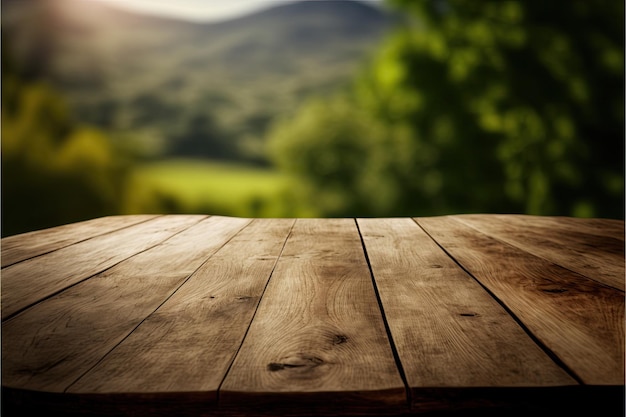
208,315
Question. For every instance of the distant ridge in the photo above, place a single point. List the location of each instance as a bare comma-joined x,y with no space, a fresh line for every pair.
130,72
350,9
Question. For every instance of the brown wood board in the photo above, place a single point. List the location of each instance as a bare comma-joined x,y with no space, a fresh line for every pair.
612,228
188,344
207,315
52,344
65,267
449,332
28,245
596,256
318,338
577,319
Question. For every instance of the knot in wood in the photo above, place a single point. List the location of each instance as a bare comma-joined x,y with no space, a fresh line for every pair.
298,361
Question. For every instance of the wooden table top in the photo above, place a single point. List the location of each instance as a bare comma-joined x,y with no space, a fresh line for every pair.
209,315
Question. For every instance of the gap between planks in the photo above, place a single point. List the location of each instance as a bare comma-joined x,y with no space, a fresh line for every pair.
81,280
398,361
579,319
63,245
62,351
575,260
382,312
159,306
392,344
256,309
181,322
539,343
333,370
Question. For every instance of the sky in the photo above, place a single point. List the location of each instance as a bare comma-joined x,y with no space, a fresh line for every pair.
197,10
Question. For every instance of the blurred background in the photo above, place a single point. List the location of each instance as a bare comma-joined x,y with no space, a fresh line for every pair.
311,108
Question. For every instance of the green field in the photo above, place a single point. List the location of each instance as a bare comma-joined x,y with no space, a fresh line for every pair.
201,186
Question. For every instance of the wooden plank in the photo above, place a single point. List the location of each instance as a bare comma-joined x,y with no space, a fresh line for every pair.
28,282
49,346
449,332
317,343
596,256
188,344
600,227
579,320
28,245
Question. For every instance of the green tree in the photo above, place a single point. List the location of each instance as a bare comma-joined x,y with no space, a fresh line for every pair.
201,138
491,106
53,170
328,148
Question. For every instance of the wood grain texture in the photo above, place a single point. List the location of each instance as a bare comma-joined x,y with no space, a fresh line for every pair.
28,245
578,319
449,332
190,341
215,316
595,252
27,282
600,227
52,344
318,340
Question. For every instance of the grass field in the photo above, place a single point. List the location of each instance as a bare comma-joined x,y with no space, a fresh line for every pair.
200,186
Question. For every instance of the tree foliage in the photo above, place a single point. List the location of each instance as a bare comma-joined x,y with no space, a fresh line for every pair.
491,106
53,170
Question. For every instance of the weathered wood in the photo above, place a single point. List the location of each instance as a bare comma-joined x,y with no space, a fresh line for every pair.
52,344
578,319
600,227
152,318
599,256
318,341
449,332
188,344
65,267
28,245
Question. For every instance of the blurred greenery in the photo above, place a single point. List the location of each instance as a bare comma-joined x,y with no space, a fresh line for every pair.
490,106
180,88
54,171
200,186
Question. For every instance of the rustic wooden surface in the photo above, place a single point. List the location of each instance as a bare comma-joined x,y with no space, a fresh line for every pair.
208,315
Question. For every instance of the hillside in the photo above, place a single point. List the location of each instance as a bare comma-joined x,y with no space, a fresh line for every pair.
177,87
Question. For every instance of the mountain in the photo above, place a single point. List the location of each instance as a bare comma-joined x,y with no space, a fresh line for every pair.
181,87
